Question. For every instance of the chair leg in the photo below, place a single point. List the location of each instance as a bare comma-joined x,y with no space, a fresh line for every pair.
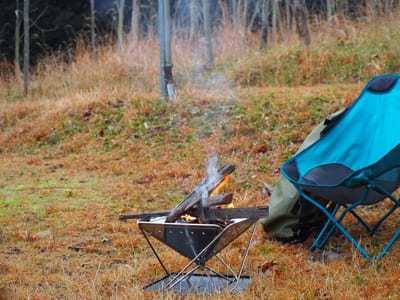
339,220
396,202
336,223
328,225
389,245
333,222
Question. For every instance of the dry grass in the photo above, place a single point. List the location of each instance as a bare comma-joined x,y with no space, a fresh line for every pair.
92,141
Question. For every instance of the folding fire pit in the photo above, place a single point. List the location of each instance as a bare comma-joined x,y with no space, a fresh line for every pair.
200,237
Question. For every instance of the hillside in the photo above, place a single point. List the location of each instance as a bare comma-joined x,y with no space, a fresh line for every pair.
93,140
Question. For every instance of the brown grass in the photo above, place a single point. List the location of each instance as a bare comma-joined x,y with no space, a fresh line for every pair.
71,162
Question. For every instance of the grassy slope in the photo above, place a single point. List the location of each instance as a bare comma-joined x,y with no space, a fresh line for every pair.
87,145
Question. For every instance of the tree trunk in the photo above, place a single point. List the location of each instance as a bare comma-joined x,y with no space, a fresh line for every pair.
329,12
26,46
301,21
386,8
279,22
225,9
273,21
207,33
121,6
264,23
93,29
135,18
254,15
234,11
373,7
288,16
17,41
194,19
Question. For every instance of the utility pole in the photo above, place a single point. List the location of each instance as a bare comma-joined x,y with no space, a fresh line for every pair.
166,78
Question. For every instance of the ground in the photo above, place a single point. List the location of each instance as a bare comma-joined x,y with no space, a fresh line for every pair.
65,181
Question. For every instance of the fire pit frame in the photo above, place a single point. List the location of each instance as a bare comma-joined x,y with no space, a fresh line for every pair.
221,240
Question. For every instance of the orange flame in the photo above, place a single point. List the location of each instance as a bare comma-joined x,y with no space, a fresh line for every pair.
220,186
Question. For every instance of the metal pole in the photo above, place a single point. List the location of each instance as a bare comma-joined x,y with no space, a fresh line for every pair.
161,32
168,57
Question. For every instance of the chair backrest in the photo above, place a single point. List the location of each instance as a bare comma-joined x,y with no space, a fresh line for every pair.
364,142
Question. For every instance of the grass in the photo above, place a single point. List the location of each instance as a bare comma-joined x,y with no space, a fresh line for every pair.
93,140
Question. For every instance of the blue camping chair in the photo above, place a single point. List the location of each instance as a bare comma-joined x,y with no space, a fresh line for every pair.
355,162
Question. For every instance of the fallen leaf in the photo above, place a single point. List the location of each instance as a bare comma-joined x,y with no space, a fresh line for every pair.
267,265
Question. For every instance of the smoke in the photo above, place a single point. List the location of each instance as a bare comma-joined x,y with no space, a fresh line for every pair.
212,172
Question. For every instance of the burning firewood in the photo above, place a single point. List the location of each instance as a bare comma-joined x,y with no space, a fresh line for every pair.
196,196
220,199
200,206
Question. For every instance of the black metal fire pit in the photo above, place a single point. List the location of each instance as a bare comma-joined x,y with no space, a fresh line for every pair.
199,243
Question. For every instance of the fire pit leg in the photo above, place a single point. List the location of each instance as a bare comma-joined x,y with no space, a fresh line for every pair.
171,284
196,257
227,267
245,257
155,252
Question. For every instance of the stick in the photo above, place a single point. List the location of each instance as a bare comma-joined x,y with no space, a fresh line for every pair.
212,201
195,197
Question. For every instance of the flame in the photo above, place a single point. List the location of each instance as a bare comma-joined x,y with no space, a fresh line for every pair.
188,218
221,185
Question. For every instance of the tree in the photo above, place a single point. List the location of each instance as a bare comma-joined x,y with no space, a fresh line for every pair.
26,46
288,16
135,18
207,33
194,19
329,11
301,21
120,8
264,23
17,41
93,28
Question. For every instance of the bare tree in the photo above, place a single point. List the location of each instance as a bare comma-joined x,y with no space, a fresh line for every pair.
373,8
207,33
255,14
288,16
17,41
301,21
194,18
264,23
120,8
329,13
93,29
26,46
135,18
274,13
386,7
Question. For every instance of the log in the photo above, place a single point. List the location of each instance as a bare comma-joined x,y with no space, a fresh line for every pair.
219,199
195,197
258,212
213,213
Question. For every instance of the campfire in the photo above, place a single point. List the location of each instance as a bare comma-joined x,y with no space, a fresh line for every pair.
199,228
203,204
